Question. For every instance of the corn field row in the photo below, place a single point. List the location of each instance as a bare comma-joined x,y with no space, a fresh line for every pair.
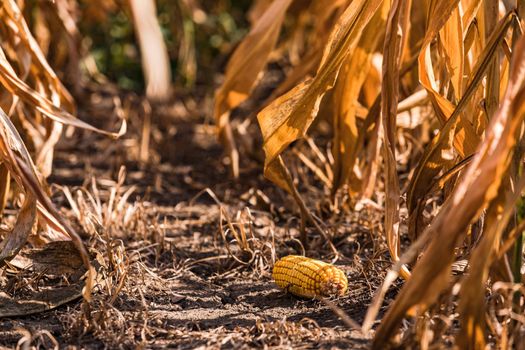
425,103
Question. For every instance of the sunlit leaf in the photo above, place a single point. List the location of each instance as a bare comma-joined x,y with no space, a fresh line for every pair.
478,187
397,27
346,92
289,117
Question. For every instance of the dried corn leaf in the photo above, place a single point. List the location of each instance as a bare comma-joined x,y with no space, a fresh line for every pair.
437,155
22,33
452,40
17,159
346,92
19,88
324,15
478,187
249,59
503,133
49,106
488,23
472,293
32,66
52,260
17,238
396,29
40,301
465,140
243,69
257,10
305,70
373,149
289,117
5,185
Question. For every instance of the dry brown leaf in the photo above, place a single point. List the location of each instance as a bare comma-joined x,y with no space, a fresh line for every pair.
243,69
49,106
437,154
289,117
17,238
452,40
250,58
33,66
40,301
257,10
18,161
348,86
52,260
324,15
19,88
373,149
5,185
396,29
502,136
472,292
36,54
478,187
488,23
465,140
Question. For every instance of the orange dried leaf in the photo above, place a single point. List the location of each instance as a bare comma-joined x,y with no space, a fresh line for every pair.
288,118
478,187
396,30
349,84
435,158
250,58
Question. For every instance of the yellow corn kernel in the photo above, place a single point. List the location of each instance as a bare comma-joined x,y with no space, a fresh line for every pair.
309,278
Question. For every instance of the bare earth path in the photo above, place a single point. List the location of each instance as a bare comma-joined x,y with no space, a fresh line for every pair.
182,289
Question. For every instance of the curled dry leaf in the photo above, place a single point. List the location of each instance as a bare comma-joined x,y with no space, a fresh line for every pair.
396,29
349,83
288,117
55,260
38,302
17,238
325,16
18,88
30,82
478,187
435,156
502,137
243,69
18,161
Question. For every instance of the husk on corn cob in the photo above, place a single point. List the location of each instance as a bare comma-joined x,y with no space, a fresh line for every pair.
309,278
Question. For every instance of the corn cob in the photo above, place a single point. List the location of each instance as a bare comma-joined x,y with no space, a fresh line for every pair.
309,278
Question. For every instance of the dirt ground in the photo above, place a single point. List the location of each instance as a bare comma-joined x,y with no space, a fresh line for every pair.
171,278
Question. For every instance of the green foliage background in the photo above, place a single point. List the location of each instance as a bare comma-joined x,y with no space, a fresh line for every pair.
113,44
